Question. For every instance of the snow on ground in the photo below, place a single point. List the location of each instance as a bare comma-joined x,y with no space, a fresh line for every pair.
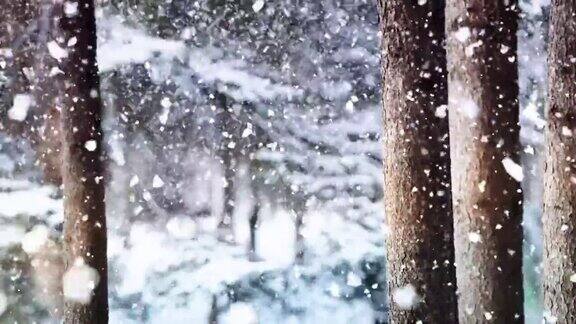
170,276
159,277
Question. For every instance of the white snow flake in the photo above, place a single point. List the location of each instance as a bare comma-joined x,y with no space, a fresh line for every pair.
70,8
247,132
157,182
163,117
166,102
405,297
441,111
33,241
258,5
462,34
353,280
482,186
134,180
79,282
513,169
464,105
474,237
91,145
21,105
56,51
350,106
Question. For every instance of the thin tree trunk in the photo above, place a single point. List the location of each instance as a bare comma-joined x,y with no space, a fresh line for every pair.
253,223
299,246
483,83
229,164
84,212
226,223
420,252
559,218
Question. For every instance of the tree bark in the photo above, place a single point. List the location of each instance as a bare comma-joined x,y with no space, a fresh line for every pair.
485,131
420,251
559,218
84,212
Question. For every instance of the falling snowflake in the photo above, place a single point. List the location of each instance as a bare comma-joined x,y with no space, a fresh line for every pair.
21,105
33,241
513,169
90,145
258,5
405,297
56,51
79,282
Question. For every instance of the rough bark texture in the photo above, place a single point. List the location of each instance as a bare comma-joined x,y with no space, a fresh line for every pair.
484,128
84,212
417,197
559,219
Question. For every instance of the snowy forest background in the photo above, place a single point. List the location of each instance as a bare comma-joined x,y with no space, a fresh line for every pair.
295,84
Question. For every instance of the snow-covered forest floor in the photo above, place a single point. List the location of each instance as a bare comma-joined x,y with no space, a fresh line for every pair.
179,273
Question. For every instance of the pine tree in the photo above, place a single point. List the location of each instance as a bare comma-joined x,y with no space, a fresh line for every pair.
559,218
84,212
417,199
484,113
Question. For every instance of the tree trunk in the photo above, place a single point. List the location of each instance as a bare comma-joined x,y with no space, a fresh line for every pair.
420,252
253,223
483,83
299,247
229,164
84,212
559,218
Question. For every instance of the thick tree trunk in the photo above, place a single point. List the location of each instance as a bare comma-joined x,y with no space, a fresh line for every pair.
485,131
559,218
84,212
417,199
